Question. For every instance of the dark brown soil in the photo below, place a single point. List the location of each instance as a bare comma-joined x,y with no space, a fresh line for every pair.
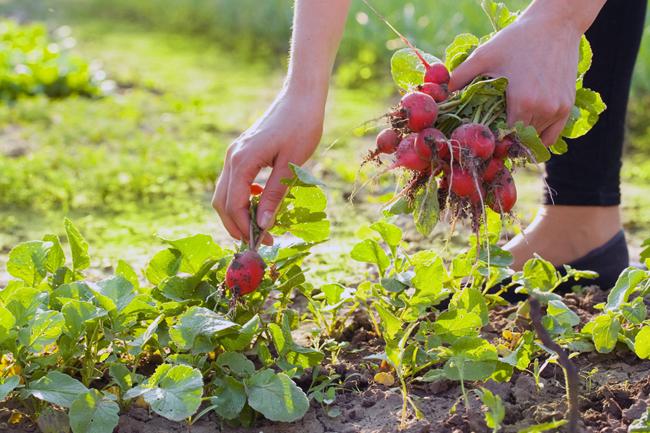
615,390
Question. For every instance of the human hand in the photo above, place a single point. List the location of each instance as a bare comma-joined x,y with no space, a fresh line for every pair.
538,54
288,132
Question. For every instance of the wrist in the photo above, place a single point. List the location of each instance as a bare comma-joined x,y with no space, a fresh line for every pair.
308,88
577,15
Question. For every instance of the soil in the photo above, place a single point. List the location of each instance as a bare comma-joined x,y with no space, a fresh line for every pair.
615,390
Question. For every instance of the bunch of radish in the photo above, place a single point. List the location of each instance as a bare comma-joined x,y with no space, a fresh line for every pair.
458,146
471,158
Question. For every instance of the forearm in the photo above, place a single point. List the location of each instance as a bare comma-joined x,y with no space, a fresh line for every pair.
578,14
317,30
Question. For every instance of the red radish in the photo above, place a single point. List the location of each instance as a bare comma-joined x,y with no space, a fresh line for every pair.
245,272
387,141
420,110
502,147
436,73
492,169
462,182
477,198
439,92
476,138
407,156
427,140
504,194
256,189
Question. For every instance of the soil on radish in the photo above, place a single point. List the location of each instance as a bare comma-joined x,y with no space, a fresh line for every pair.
615,390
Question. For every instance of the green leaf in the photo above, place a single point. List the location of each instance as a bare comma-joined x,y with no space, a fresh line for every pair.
484,90
472,359
45,329
244,336
8,384
499,14
369,251
78,246
27,261
303,177
195,251
540,428
604,330
55,255
121,375
585,113
585,57
391,324
528,137
625,285
390,233
173,392
563,314
92,412
453,324
407,69
139,342
539,274
426,208
496,410
642,343
472,301
7,322
164,264
460,49
295,354
77,313
127,272
276,396
56,388
236,363
114,294
197,323
229,397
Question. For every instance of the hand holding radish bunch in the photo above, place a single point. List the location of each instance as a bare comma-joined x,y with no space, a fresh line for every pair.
462,146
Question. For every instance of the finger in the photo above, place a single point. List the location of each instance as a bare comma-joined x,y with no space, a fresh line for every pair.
516,111
238,201
551,134
273,194
467,71
219,203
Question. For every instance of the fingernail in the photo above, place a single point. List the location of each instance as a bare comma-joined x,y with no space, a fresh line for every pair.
265,221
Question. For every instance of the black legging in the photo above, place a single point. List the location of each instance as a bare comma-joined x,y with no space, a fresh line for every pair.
589,173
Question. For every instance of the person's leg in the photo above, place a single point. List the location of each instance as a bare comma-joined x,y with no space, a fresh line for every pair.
580,214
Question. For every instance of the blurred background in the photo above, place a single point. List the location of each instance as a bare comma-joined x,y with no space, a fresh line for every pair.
121,111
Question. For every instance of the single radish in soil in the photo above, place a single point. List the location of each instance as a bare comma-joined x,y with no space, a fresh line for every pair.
245,272
419,109
462,182
475,139
407,156
429,140
436,73
492,169
502,147
256,189
387,141
439,92
504,194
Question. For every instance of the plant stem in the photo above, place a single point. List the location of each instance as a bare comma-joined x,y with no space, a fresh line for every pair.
571,372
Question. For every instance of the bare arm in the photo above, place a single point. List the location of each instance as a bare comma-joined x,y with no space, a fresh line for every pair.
291,128
539,56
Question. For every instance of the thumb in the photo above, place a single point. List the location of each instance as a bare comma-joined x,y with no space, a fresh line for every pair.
471,68
273,194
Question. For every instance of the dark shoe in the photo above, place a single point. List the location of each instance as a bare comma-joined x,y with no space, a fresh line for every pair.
608,260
